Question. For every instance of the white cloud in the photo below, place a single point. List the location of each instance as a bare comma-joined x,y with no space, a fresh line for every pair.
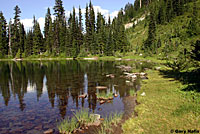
41,21
113,14
28,23
104,12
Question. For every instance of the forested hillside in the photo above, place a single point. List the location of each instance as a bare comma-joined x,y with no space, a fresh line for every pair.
168,28
170,31
62,36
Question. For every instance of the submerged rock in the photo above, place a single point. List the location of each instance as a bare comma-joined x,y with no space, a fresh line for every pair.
101,87
49,131
110,75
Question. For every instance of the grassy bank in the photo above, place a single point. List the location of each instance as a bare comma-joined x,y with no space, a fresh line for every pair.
128,56
164,108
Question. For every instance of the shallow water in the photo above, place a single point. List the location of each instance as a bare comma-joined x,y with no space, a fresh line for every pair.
35,96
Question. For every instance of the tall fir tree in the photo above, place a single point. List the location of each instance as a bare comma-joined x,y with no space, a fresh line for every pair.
87,25
47,30
38,46
3,36
193,28
92,41
15,31
109,43
80,29
59,26
22,38
151,39
28,48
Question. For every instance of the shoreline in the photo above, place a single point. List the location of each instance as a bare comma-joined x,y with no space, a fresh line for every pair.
94,58
165,106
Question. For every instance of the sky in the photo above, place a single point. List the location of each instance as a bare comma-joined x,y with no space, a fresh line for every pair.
39,8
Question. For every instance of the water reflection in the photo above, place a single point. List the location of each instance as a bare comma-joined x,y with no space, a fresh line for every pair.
45,88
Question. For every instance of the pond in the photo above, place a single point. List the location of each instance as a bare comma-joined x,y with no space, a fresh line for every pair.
36,95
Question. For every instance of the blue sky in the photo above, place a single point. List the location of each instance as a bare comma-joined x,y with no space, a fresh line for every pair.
38,8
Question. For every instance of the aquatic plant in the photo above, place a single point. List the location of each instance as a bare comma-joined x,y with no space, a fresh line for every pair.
83,117
104,95
112,119
67,126
132,92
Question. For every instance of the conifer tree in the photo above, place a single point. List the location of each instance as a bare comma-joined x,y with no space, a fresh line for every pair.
3,36
47,30
193,28
10,38
28,48
74,34
161,15
22,38
80,29
15,31
38,46
169,10
109,44
151,39
87,25
59,26
92,41
196,51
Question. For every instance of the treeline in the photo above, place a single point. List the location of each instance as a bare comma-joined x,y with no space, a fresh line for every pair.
165,10
63,36
162,12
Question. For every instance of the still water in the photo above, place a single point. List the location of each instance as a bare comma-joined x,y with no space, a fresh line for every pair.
35,96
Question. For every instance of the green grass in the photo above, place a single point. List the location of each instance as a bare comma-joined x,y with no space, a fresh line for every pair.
112,119
67,126
132,92
81,118
164,107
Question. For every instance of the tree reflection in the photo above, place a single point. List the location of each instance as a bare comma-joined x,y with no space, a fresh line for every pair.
63,79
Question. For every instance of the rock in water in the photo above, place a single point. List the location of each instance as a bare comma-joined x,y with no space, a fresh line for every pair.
49,131
101,87
115,95
143,74
102,101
